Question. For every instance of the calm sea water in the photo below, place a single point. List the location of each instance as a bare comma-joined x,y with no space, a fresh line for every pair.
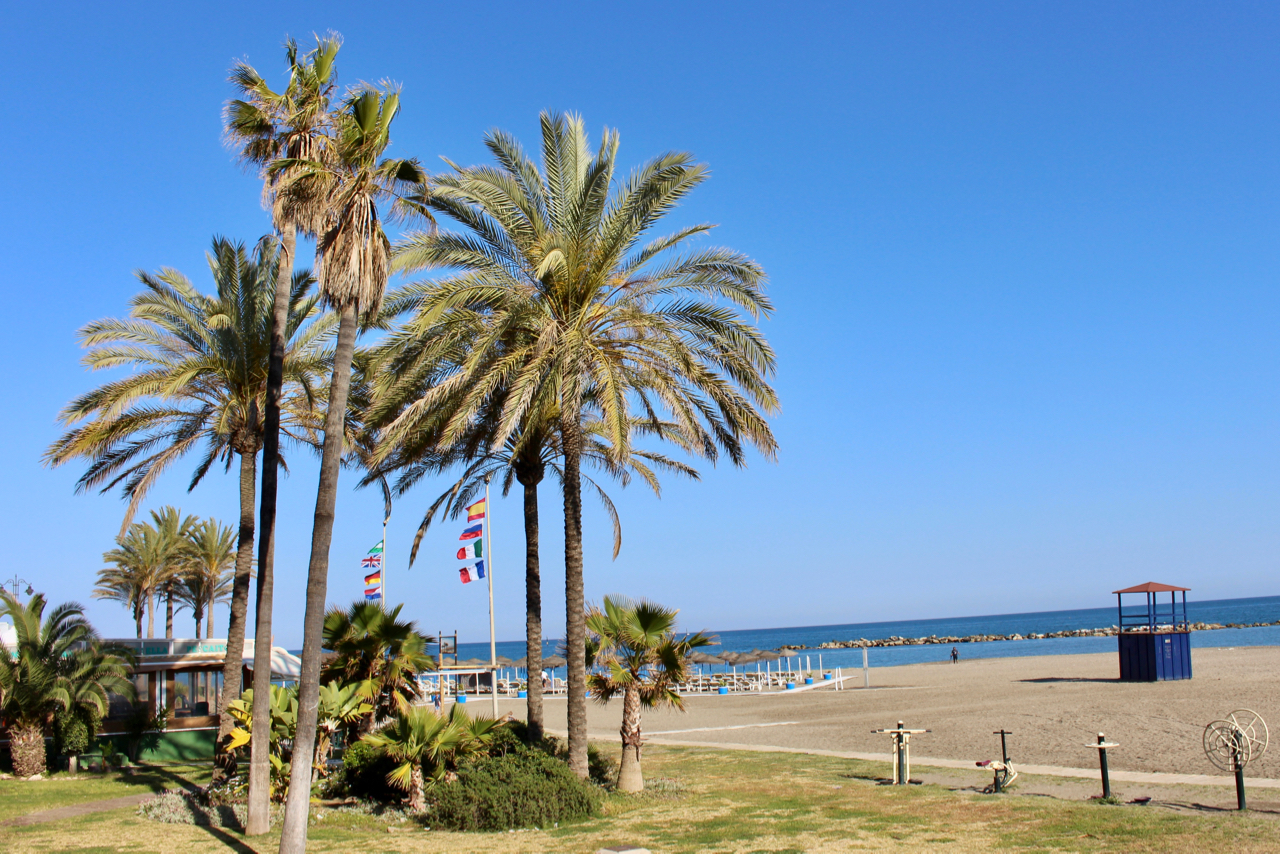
1257,610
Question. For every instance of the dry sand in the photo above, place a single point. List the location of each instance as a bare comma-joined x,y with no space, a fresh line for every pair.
1054,705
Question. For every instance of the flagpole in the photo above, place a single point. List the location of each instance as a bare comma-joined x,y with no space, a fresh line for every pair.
493,644
384,563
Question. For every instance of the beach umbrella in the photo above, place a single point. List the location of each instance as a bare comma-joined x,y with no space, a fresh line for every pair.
767,654
523,661
703,658
505,662
471,662
554,661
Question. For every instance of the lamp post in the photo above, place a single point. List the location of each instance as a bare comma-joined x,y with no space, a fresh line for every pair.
14,582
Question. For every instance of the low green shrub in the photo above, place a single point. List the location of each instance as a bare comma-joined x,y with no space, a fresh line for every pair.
523,788
180,807
364,775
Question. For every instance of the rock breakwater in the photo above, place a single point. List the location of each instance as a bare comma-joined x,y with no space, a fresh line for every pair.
1109,631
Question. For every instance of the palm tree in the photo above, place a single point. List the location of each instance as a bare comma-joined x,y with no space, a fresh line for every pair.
643,660
428,746
146,560
575,305
377,652
208,561
58,665
353,259
200,371
269,127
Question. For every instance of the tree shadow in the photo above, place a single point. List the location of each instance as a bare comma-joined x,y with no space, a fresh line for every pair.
227,839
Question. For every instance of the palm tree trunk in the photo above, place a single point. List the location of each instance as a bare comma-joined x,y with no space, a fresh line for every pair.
199,620
137,617
26,746
417,789
574,599
533,612
224,762
259,818
151,613
293,839
168,612
629,777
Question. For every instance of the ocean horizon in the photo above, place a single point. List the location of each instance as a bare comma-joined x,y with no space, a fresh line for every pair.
1259,609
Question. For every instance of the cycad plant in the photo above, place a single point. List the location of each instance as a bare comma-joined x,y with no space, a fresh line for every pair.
353,258
639,657
199,371
270,127
57,665
577,300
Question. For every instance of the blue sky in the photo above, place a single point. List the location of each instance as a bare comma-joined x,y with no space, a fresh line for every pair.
1024,261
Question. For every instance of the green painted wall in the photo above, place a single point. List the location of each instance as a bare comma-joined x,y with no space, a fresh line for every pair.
183,745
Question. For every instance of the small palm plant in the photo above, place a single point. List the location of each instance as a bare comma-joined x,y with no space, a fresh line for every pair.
377,652
57,665
643,660
429,746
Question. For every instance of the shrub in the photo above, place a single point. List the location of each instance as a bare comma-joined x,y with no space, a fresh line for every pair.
525,788
175,807
364,774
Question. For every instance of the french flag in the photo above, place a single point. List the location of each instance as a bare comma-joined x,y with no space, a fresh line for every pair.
468,574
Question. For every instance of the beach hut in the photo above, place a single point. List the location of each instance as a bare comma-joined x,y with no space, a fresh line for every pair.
1155,642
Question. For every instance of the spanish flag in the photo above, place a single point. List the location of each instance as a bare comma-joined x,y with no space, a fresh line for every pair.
476,511
376,578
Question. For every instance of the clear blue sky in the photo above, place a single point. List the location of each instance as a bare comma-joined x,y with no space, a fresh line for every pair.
1024,258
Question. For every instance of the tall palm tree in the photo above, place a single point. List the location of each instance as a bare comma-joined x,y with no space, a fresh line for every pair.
269,127
200,371
208,561
579,301
146,560
378,652
353,264
641,658
57,665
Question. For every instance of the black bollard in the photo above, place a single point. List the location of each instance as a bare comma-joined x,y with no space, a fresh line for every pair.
1236,754
1004,756
1102,762
902,756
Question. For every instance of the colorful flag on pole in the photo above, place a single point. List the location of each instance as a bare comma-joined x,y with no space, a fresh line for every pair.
375,593
371,562
375,578
472,573
477,510
471,551
376,550
472,533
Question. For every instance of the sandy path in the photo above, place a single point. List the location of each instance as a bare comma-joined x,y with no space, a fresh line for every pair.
1053,705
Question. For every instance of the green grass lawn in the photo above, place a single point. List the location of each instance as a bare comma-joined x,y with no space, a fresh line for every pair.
19,797
706,800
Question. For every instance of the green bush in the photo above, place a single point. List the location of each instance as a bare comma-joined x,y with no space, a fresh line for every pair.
364,774
75,731
525,788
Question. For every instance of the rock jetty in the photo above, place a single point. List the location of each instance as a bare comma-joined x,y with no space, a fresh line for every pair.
1109,631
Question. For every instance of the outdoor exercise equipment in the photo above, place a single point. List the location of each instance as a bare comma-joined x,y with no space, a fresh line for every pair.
1003,770
1234,742
1101,747
901,751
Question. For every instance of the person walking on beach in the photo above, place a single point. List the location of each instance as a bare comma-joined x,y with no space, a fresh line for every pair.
955,655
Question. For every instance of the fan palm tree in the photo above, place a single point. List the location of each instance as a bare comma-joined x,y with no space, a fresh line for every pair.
57,665
353,265
146,560
643,660
271,126
428,746
576,301
377,652
200,376
208,560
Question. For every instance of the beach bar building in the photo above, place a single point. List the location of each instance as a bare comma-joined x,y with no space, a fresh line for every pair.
1155,641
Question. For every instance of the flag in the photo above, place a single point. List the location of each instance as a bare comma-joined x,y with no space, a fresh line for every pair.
472,532
477,510
464,575
376,550
375,578
371,562
471,573
471,551
373,594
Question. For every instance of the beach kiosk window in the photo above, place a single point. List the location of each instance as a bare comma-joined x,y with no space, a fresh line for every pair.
1155,639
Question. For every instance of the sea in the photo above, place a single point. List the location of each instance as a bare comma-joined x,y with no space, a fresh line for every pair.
1263,609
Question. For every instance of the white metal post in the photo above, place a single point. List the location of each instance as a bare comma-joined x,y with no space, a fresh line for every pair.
493,643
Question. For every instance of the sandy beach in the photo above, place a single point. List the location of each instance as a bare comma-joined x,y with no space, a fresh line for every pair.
1052,704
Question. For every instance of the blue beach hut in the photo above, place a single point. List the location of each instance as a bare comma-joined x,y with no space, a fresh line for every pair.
1155,642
